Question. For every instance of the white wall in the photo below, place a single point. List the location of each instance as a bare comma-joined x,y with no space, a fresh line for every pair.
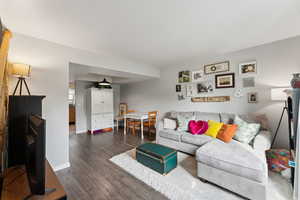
81,90
276,61
50,63
49,77
117,96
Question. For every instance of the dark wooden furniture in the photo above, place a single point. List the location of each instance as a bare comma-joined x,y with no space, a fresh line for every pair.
15,185
20,107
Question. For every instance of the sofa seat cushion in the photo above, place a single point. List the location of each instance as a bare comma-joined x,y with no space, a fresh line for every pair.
171,134
233,157
197,140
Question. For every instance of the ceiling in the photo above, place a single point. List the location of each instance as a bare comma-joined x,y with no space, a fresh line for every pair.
90,73
156,32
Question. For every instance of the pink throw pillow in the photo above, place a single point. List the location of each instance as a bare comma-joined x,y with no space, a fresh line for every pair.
198,127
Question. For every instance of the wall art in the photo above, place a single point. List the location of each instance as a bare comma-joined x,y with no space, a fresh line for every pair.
252,97
189,90
225,81
211,99
248,68
248,82
184,76
204,87
197,75
217,67
178,88
180,97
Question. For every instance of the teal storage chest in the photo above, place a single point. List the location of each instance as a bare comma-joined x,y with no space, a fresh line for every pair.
157,157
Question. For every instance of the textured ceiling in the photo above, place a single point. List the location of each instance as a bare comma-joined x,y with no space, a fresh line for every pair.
156,32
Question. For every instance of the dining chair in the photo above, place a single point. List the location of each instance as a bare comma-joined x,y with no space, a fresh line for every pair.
150,124
123,108
131,124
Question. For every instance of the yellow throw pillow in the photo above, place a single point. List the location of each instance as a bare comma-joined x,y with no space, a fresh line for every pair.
213,128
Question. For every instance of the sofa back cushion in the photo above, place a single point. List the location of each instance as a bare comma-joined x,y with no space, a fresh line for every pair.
174,114
228,118
205,116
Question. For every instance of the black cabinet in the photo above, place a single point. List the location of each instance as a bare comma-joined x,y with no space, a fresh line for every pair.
20,107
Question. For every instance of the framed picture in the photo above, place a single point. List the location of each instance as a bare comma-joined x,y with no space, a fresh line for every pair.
225,81
204,87
248,82
123,107
189,90
217,67
184,76
248,68
252,97
178,88
197,75
180,97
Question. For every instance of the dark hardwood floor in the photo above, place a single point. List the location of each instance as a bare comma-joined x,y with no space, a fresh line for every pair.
92,176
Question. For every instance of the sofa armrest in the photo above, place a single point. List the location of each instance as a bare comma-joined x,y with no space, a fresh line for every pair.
262,141
159,127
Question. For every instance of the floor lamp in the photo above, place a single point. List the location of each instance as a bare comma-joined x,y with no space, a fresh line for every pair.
21,71
280,94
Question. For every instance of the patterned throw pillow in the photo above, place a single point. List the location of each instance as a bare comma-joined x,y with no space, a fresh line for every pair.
183,121
246,131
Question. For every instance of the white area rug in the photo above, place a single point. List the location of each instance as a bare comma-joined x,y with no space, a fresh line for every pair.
182,183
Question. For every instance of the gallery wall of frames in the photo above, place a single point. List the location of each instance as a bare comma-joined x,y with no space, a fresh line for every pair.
200,84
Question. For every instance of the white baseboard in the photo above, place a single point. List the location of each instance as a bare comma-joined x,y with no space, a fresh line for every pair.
62,166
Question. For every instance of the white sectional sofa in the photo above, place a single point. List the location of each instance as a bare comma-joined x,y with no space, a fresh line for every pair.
238,167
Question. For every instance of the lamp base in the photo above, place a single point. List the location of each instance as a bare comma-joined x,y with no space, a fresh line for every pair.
20,85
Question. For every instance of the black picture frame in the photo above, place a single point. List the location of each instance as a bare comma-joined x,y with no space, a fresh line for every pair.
178,88
217,85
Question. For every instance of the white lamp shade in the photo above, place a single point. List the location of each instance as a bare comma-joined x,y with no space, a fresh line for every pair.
279,94
21,70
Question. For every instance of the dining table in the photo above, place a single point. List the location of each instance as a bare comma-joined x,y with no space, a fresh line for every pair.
136,116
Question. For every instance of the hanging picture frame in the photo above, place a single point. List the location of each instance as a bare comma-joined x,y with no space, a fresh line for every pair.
252,97
197,75
123,107
178,88
184,76
224,81
205,87
217,67
189,90
248,68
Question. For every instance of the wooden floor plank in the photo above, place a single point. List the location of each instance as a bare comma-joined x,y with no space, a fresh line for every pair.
93,177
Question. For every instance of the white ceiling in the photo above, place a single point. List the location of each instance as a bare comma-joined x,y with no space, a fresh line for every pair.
156,32
90,73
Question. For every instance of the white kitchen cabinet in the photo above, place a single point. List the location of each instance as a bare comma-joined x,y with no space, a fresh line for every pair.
100,109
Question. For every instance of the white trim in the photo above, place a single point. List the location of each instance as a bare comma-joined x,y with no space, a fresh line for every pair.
62,166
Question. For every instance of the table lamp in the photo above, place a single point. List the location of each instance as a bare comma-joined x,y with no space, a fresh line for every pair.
280,94
21,71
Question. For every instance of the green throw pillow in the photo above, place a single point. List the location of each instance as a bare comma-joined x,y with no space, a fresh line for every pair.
246,131
183,121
